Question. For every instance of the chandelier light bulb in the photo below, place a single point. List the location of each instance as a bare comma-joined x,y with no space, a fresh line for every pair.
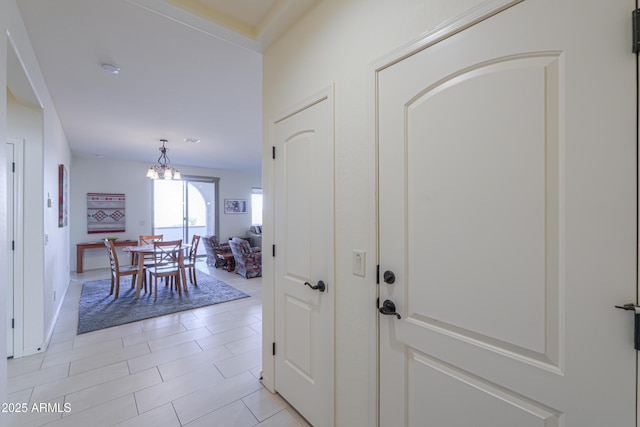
163,169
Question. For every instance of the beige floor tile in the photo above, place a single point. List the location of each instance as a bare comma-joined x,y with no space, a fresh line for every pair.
233,415
163,321
196,405
193,362
153,334
103,393
91,338
22,396
217,327
75,383
211,376
222,338
33,379
245,344
60,346
256,327
81,353
264,404
167,391
109,358
24,365
163,416
284,418
61,336
179,338
203,320
257,372
243,362
163,356
38,415
104,415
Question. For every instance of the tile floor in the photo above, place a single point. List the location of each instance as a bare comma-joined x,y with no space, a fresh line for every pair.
195,368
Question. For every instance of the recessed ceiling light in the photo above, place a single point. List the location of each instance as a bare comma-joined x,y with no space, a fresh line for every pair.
192,140
110,68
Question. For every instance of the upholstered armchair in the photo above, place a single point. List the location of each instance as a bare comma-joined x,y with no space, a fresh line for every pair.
213,247
248,260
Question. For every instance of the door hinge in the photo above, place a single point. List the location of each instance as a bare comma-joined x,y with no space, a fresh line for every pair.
13,167
13,323
13,245
273,151
377,274
273,250
635,16
273,349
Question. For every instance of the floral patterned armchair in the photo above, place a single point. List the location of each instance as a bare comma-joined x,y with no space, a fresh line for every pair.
214,247
248,259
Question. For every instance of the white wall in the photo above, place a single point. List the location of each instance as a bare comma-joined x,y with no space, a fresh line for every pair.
336,43
5,16
45,148
100,175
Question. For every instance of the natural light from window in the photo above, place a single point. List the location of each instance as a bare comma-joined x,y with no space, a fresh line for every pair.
256,206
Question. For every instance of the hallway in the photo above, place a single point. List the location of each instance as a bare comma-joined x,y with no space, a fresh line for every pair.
195,368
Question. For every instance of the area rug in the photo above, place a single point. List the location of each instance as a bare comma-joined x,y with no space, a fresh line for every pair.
98,309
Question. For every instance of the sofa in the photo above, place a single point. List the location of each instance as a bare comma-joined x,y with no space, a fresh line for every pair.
255,235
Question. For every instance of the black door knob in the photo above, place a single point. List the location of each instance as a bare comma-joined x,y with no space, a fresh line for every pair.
389,309
319,287
389,277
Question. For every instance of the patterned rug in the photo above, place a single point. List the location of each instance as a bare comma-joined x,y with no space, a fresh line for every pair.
98,310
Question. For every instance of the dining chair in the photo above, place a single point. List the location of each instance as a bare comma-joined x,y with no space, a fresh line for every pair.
118,270
150,239
190,260
144,240
168,263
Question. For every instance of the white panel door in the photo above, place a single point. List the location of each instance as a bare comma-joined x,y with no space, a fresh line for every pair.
304,259
508,216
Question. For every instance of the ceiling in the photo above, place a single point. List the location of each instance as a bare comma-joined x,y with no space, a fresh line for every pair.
188,69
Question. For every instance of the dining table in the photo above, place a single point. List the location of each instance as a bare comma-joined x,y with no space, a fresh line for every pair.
139,252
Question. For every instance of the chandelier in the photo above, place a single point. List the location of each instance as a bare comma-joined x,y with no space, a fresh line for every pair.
162,169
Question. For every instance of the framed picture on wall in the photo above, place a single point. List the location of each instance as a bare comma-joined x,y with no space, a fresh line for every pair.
235,206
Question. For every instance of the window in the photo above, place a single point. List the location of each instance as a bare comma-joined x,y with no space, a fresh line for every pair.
256,206
182,208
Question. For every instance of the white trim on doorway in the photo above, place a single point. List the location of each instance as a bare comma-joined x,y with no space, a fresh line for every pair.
17,230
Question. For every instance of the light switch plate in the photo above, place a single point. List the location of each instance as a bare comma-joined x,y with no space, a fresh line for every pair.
359,263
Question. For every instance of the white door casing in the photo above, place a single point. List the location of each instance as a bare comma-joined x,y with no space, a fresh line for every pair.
10,148
507,210
304,257
14,282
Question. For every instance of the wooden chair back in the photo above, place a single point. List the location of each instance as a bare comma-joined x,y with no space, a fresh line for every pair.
168,252
149,239
193,250
113,256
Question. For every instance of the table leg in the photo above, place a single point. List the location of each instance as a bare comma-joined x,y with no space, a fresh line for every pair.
182,271
79,256
141,275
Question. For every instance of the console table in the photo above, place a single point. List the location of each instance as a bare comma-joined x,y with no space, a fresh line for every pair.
80,247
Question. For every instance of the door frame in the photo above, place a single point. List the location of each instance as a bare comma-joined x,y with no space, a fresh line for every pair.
441,32
18,252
